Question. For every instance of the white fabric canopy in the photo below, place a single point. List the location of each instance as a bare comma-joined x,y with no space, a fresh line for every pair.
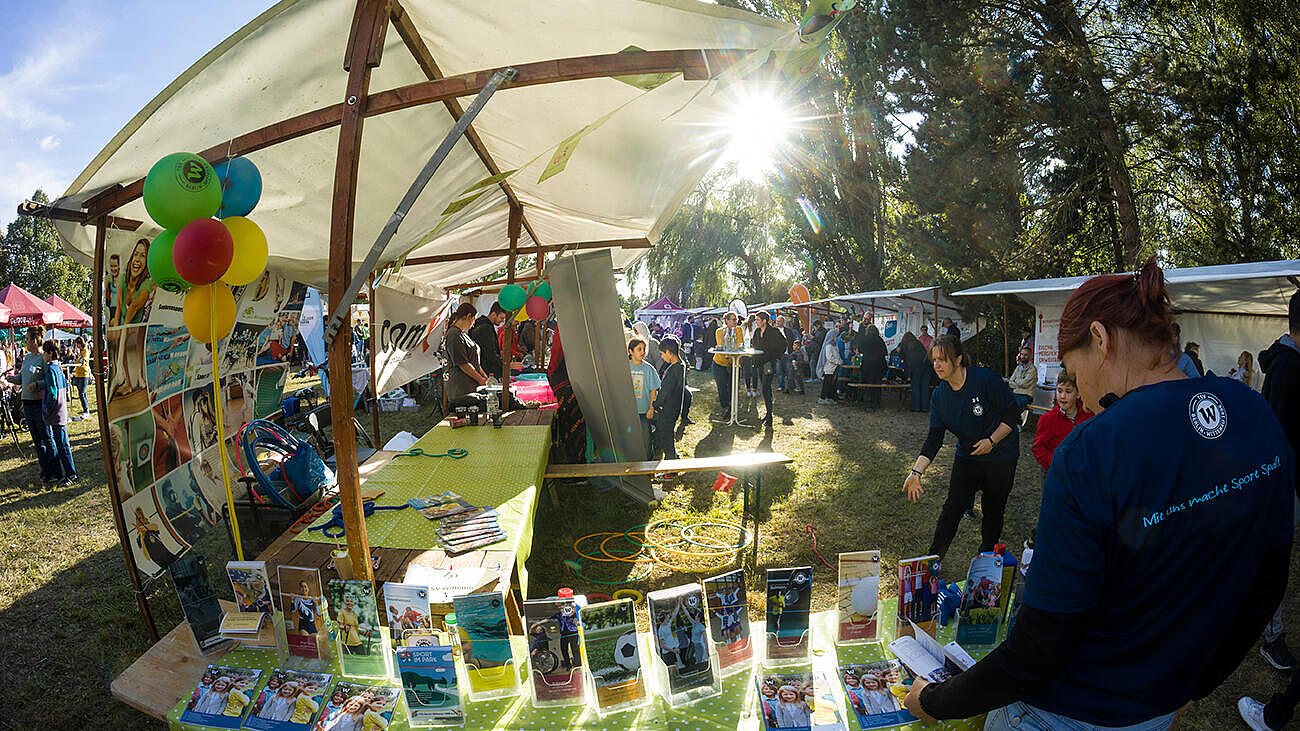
625,179
1227,308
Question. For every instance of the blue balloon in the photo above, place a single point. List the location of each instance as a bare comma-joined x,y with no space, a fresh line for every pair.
241,186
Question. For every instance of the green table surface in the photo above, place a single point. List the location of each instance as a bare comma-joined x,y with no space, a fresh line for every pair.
735,708
504,469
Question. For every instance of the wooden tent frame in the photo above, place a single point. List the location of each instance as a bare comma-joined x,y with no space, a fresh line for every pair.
363,54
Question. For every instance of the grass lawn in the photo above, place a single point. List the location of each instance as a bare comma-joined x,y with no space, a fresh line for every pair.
71,623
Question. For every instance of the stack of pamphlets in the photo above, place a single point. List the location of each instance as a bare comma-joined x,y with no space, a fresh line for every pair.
461,526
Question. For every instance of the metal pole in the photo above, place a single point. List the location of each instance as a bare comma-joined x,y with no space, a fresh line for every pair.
374,392
101,411
412,193
1006,339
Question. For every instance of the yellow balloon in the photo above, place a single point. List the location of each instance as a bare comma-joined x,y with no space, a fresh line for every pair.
522,316
250,251
206,304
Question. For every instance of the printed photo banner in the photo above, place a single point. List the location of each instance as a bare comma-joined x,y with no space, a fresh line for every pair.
408,334
162,431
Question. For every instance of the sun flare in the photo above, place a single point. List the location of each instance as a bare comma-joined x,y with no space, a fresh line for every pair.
758,127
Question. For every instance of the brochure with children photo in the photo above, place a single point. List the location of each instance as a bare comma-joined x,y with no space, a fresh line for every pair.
554,651
924,657
198,601
408,609
681,637
789,597
356,625
221,697
858,601
361,706
875,693
980,614
729,617
289,701
797,701
918,595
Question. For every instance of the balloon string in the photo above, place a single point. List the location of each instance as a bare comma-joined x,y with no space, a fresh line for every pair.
221,423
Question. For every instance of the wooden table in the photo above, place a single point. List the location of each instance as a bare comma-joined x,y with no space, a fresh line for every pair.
167,672
749,464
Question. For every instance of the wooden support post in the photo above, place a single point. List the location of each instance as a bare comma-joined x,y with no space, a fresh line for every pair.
369,24
1006,339
100,372
374,378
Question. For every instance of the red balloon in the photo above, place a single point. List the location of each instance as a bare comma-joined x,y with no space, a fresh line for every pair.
203,251
537,308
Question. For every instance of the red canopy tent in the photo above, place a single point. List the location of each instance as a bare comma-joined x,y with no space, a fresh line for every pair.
72,315
27,309
4,315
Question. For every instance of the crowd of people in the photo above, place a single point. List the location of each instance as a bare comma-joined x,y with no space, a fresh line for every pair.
43,391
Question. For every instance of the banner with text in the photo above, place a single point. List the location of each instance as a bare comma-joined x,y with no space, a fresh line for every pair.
408,329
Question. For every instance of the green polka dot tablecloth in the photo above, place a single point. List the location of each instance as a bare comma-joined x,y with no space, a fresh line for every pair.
734,708
504,470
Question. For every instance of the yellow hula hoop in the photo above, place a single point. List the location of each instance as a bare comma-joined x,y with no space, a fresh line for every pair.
632,594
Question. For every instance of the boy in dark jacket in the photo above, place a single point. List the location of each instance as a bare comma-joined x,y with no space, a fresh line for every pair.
668,402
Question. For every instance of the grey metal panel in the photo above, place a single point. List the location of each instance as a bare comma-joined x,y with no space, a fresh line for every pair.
591,329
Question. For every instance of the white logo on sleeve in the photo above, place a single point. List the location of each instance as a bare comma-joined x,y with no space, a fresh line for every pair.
1207,414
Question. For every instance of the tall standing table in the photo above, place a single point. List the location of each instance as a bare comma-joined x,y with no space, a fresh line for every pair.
737,356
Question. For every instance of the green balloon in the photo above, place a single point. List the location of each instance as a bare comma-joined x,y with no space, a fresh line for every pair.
511,297
161,268
180,188
543,290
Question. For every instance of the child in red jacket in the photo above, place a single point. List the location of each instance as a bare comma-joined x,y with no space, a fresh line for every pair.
1053,426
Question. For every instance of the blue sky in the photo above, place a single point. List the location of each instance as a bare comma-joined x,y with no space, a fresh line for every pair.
72,74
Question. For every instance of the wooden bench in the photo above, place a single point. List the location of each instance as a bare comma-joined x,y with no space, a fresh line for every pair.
167,672
749,464
903,389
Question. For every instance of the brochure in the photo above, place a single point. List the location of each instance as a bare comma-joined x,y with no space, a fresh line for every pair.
918,595
797,701
980,616
252,589
484,634
353,705
198,601
221,697
681,637
303,603
428,674
875,693
859,596
613,656
408,609
355,615
289,701
924,657
554,650
789,597
729,617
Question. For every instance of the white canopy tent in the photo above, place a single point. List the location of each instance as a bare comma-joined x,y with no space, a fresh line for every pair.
1226,308
340,116
910,308
626,177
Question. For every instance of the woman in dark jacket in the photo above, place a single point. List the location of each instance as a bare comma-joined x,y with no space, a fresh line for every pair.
874,363
917,366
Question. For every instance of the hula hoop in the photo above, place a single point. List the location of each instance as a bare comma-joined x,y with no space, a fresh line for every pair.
719,553
632,594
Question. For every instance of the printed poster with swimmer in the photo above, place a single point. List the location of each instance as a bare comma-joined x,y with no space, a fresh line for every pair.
162,419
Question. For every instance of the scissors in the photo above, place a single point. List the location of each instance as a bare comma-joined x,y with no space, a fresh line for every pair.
454,453
334,528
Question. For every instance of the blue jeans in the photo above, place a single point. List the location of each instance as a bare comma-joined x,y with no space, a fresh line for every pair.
1022,399
80,383
785,373
42,440
1021,716
722,378
63,451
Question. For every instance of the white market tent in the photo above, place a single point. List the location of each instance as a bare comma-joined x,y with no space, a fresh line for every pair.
911,307
340,115
1226,308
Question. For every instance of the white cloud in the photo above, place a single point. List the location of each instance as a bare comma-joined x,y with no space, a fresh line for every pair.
49,142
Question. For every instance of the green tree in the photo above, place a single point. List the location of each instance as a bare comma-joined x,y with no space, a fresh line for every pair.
32,258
